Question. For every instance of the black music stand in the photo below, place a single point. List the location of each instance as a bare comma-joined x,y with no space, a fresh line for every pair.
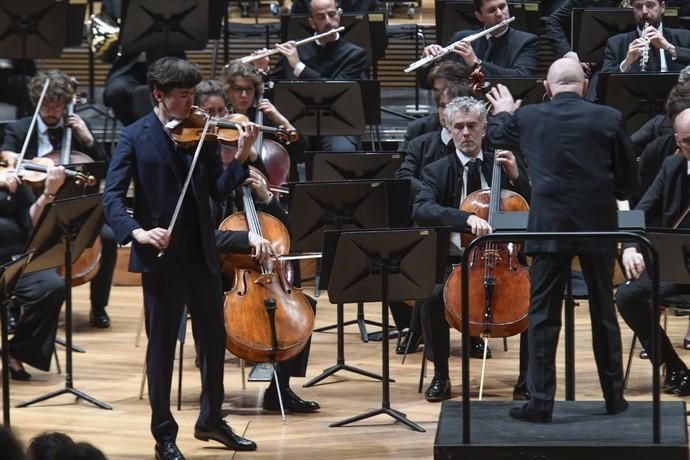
351,166
452,16
318,108
383,265
590,28
163,26
9,276
65,229
639,96
673,247
529,89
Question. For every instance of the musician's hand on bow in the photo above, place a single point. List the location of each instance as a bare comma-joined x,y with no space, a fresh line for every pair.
478,226
263,65
10,180
466,52
79,128
248,133
258,185
506,159
289,50
157,237
433,50
261,247
501,100
633,263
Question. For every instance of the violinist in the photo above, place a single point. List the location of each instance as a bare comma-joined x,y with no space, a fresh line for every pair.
445,184
40,294
188,270
47,138
664,202
577,169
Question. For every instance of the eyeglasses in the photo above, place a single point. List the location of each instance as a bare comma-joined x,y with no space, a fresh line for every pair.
683,143
331,14
240,89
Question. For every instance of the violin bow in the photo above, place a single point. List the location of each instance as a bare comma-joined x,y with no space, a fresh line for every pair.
180,200
19,161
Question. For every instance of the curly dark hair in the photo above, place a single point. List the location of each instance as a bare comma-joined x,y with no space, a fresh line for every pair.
168,73
60,89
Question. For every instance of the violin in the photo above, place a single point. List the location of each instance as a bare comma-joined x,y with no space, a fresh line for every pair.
224,130
266,318
33,172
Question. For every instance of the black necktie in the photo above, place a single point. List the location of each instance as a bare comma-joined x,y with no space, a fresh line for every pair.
55,137
474,178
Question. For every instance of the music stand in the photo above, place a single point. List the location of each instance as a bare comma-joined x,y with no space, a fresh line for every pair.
351,166
317,108
162,26
9,276
65,229
590,28
639,96
452,16
673,248
383,265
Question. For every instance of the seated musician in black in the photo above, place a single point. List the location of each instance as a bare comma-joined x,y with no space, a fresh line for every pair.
506,52
39,294
664,202
329,58
445,184
46,138
667,50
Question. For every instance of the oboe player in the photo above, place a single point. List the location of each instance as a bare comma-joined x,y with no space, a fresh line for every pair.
505,52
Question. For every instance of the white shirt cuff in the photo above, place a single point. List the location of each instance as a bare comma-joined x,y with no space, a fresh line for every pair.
299,68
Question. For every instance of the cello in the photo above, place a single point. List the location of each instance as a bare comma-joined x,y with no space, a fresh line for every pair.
266,318
499,285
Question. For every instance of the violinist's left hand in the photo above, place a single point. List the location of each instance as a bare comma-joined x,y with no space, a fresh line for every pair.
506,159
248,133
80,129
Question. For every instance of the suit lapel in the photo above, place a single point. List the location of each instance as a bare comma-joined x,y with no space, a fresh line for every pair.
156,135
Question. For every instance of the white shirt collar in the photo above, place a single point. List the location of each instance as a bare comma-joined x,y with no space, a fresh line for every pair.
464,159
445,136
688,167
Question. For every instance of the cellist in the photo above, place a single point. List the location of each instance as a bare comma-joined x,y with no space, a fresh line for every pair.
188,271
445,183
46,138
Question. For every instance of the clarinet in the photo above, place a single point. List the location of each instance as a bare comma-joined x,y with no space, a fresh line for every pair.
645,51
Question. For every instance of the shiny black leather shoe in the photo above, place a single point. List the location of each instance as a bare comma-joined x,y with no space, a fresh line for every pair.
617,407
19,374
291,402
520,392
167,450
11,323
477,349
526,414
672,379
439,390
683,387
224,435
99,318
411,342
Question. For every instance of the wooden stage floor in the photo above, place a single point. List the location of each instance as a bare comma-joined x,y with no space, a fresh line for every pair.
111,371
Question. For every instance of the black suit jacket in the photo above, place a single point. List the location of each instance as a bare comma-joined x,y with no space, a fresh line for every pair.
580,160
426,124
438,200
15,133
617,49
514,54
339,60
421,151
667,197
652,159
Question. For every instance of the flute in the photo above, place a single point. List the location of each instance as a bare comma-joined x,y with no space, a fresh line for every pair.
469,39
256,57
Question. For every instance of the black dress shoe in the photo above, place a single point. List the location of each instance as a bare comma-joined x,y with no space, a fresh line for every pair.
477,349
527,414
439,390
99,318
520,392
11,323
686,344
683,387
167,450
672,379
644,354
224,435
291,402
617,407
410,342
19,374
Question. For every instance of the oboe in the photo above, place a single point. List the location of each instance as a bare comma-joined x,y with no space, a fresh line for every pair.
645,51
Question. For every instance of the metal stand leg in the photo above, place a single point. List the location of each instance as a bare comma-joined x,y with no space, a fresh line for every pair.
361,322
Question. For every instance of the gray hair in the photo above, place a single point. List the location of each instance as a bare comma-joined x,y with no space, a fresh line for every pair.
465,104
684,74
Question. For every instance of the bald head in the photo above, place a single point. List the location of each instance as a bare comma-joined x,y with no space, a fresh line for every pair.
566,75
681,128
682,121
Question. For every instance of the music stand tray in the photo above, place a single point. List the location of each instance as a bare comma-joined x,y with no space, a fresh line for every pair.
9,276
64,230
32,29
383,265
673,248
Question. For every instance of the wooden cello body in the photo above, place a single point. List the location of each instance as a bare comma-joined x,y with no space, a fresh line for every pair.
266,318
499,286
